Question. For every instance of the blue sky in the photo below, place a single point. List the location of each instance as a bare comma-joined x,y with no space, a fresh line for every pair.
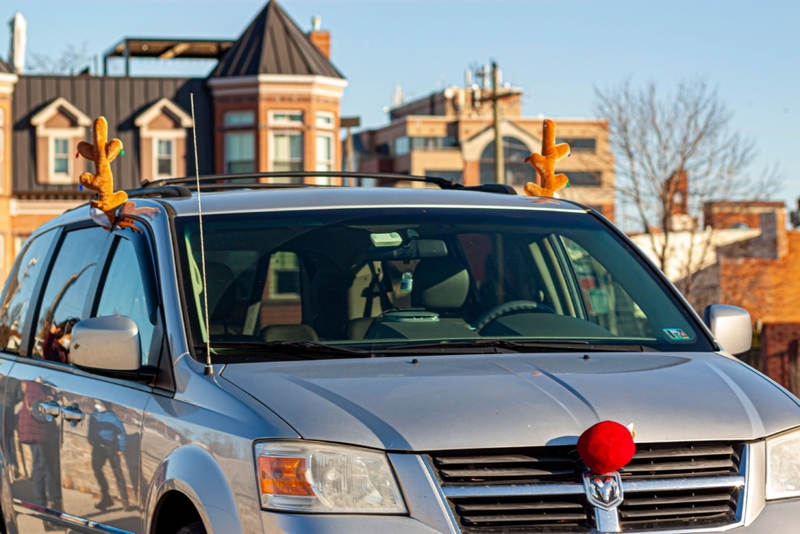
557,50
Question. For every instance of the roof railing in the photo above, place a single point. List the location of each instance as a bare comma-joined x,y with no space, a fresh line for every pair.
183,187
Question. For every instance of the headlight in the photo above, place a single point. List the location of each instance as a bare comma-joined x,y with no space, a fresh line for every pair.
315,477
783,466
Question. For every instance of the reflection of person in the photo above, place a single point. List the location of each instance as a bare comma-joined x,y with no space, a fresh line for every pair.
55,346
13,397
42,437
107,436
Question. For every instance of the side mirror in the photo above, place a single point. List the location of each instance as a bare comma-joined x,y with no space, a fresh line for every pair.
106,345
731,327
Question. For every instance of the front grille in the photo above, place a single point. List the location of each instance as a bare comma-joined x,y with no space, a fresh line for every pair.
540,489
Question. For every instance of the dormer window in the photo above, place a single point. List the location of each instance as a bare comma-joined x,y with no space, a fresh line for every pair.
162,130
60,126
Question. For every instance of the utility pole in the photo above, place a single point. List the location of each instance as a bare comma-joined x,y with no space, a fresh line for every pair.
499,152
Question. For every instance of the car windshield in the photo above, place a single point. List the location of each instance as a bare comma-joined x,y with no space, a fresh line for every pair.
404,277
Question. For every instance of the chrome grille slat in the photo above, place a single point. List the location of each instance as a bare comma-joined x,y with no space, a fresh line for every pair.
540,490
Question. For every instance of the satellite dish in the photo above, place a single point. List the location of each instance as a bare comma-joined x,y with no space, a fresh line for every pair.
448,93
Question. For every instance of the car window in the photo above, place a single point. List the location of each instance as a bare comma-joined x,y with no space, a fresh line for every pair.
427,275
603,299
123,293
66,291
17,295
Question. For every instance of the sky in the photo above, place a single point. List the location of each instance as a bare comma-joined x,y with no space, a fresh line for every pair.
558,51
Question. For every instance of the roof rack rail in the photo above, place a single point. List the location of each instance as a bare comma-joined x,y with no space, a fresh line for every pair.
179,187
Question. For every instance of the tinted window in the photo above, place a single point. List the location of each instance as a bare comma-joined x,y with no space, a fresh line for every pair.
124,293
65,295
409,275
17,296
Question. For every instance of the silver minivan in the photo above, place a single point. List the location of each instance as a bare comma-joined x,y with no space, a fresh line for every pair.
373,360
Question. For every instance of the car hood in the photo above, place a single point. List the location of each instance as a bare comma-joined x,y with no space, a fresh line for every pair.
486,401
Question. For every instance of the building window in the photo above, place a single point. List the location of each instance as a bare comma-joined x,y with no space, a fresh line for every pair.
239,118
324,152
324,119
432,143
402,146
518,172
240,152
587,179
164,158
287,151
579,144
284,276
60,156
286,118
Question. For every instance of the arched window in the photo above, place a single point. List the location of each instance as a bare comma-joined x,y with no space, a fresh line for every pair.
517,171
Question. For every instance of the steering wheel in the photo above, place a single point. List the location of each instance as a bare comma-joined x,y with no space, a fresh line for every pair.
510,308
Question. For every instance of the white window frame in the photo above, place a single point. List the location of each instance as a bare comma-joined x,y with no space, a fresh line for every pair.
272,135
331,163
283,123
325,115
60,133
173,170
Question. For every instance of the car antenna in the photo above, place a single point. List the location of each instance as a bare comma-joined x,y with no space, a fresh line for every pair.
209,370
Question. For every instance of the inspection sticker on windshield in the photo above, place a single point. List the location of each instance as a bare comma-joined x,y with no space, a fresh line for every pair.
676,334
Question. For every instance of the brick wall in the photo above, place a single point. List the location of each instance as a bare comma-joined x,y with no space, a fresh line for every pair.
779,343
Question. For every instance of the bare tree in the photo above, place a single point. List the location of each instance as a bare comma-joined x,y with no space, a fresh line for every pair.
656,138
72,61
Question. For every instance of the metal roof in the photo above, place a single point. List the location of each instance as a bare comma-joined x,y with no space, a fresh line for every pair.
274,44
120,100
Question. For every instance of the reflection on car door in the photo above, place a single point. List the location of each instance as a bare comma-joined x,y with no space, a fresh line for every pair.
100,453
43,371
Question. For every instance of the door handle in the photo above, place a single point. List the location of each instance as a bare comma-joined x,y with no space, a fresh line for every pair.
73,414
49,409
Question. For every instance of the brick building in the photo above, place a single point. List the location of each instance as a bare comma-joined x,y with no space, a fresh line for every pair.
746,256
450,133
271,103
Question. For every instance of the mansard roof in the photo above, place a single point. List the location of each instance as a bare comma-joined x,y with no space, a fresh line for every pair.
274,44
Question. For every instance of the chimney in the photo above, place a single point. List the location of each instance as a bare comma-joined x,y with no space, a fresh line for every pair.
320,38
19,38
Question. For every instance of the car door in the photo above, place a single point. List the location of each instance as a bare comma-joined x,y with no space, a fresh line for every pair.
42,370
102,416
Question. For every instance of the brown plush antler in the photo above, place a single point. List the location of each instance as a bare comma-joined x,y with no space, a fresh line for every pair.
102,153
544,164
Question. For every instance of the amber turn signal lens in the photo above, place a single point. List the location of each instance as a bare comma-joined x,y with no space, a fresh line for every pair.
283,476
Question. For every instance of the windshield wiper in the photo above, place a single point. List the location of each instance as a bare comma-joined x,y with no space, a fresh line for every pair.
304,350
504,346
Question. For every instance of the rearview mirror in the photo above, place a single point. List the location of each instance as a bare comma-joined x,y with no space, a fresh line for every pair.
106,344
731,327
414,250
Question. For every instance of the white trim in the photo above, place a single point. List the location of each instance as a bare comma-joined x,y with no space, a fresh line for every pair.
41,207
147,116
286,123
261,90
7,77
61,133
328,114
320,180
173,156
278,79
51,109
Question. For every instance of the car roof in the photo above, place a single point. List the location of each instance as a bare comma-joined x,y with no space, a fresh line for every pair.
314,198
319,198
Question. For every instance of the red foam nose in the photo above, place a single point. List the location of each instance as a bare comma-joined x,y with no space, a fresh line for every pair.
605,447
